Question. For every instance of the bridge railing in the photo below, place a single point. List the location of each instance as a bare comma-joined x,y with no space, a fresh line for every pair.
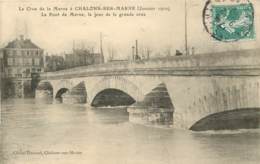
238,59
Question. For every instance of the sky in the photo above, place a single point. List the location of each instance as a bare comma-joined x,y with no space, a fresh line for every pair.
157,31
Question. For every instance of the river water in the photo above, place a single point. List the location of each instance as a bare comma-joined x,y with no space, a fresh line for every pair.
41,133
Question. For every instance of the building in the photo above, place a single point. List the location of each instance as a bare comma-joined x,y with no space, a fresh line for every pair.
1,73
22,63
79,57
83,57
54,63
94,58
1,64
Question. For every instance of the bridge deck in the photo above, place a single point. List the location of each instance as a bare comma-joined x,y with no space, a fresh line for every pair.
240,63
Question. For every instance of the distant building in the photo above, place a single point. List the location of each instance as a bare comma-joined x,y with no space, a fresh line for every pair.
54,63
1,73
82,57
178,53
22,63
1,64
94,58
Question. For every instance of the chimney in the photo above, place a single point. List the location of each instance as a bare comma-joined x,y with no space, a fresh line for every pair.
133,53
21,37
136,48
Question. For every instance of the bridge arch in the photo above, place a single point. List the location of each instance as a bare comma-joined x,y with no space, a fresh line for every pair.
117,84
44,90
245,118
60,84
230,99
60,93
112,97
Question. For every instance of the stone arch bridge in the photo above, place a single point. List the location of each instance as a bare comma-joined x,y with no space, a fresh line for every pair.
194,87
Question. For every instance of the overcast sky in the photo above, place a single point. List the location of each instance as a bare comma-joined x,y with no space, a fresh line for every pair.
158,30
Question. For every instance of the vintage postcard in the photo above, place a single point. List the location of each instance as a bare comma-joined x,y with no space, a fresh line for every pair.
129,81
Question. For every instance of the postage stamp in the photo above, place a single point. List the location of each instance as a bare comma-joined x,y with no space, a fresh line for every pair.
229,20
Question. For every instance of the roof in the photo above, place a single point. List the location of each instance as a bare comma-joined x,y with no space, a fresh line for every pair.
22,44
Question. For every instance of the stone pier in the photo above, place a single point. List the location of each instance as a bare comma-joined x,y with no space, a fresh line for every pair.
155,109
43,94
73,99
44,91
76,95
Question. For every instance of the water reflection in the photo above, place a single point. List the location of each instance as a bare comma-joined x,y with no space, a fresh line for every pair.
108,115
106,136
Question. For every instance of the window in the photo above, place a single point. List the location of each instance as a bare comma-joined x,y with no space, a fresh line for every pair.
36,61
15,61
10,71
10,61
18,75
27,72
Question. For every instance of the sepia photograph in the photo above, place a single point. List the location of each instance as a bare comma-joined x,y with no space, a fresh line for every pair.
129,82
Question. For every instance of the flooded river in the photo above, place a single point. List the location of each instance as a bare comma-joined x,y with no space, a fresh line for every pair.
40,133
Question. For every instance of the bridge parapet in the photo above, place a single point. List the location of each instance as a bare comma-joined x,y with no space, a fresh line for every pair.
205,64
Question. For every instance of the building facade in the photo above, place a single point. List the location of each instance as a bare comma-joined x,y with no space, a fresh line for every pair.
83,57
54,63
1,73
22,63
1,64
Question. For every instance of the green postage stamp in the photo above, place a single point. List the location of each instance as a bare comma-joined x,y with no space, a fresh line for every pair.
229,21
